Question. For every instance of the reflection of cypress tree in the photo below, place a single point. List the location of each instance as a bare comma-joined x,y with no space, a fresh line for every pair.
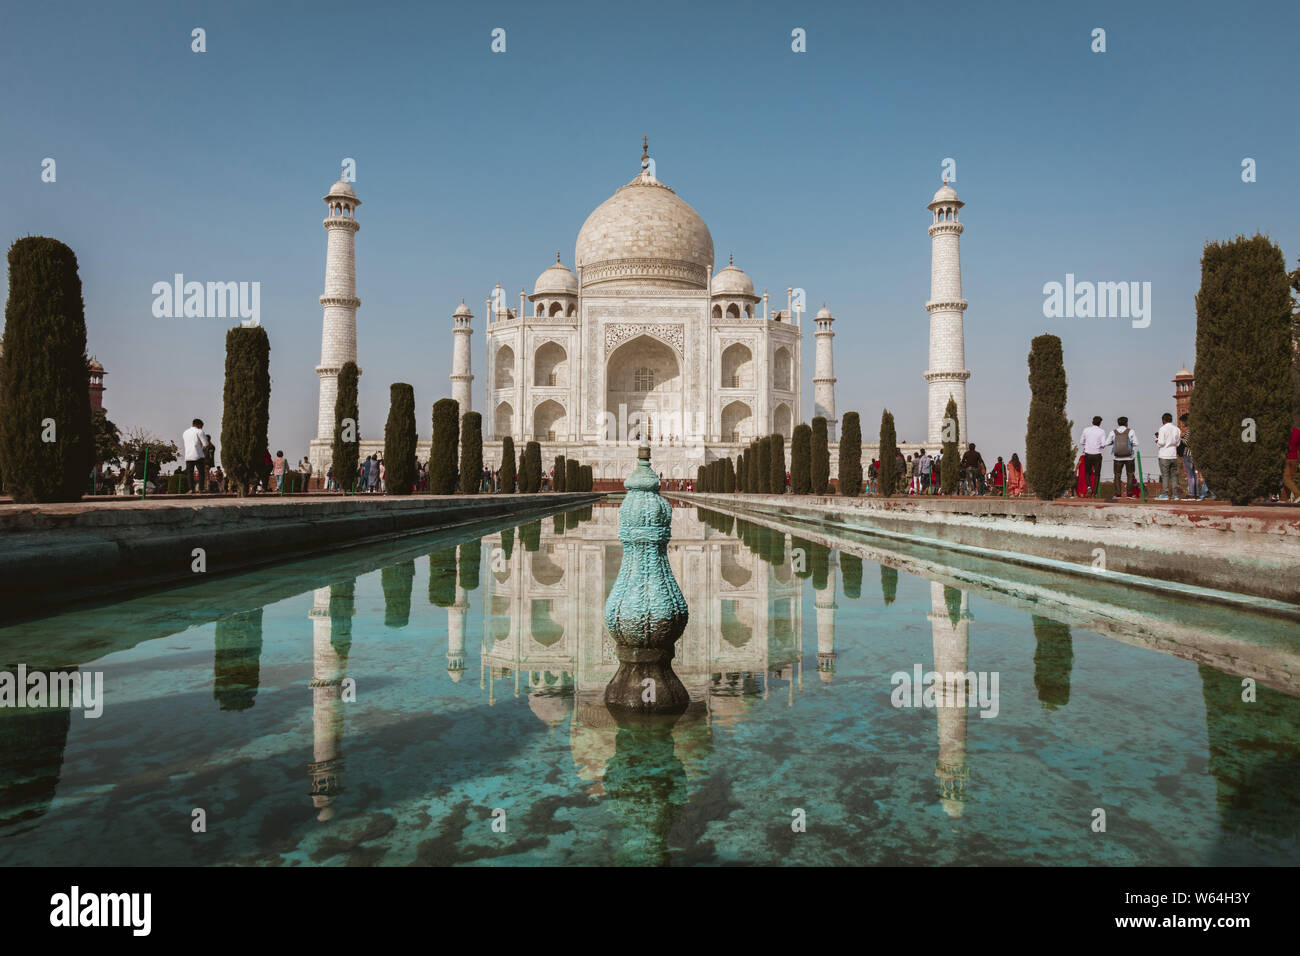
531,535
471,556
820,560
776,546
237,660
586,512
508,542
646,785
32,741
442,576
343,607
571,519
889,585
397,582
1254,755
851,575
806,546
1053,659
558,527
952,597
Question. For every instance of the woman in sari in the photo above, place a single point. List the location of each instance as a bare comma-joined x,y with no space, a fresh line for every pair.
1015,477
1081,481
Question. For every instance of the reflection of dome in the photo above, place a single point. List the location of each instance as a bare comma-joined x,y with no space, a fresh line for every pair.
549,707
731,281
557,280
645,233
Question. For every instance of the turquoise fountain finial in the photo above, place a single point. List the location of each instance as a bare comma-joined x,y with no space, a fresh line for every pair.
646,612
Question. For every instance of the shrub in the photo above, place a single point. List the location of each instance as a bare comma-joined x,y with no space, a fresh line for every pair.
850,483
443,448
572,468
507,476
763,479
820,458
950,464
801,460
399,440
888,456
246,413
346,453
471,453
557,483
778,463
1243,367
1049,450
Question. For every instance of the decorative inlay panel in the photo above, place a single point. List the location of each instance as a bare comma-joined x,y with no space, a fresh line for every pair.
618,333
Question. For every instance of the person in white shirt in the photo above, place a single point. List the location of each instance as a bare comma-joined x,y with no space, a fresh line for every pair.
1091,443
195,440
1167,440
1124,442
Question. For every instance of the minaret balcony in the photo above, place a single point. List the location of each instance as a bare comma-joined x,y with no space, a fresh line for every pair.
946,305
346,301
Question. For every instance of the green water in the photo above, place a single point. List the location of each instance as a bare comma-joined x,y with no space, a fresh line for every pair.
437,700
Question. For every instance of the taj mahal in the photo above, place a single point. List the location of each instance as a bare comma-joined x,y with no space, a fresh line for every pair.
643,341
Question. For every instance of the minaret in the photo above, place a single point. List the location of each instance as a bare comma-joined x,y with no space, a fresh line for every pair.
339,334
824,376
947,373
462,379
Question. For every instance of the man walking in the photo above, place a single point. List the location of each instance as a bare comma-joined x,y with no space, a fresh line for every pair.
923,466
1124,443
196,440
972,463
1091,443
1167,440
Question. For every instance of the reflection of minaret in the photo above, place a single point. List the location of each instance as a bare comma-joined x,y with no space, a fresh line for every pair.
825,604
32,743
950,626
331,615
456,633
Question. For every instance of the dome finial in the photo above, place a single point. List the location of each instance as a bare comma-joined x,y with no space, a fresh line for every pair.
557,257
731,259
645,152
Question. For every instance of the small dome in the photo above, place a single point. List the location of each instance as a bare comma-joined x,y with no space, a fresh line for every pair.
557,280
945,194
824,313
732,281
342,190
95,366
462,310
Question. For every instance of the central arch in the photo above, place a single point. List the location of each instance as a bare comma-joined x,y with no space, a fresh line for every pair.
644,376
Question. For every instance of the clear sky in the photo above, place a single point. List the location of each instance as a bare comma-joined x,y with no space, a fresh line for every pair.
813,168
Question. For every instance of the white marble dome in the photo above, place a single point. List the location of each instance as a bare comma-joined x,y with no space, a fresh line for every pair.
645,234
341,190
732,281
557,280
945,194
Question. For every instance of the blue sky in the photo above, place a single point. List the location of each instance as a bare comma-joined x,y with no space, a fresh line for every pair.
813,168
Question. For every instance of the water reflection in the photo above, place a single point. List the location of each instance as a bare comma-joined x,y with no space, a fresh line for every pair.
332,612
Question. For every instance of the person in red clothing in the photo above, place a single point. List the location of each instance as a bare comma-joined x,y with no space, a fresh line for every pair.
1289,487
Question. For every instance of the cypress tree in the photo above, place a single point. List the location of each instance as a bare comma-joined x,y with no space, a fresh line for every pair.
1240,414
558,482
740,472
533,456
346,452
587,482
507,479
523,472
820,458
801,460
851,456
950,465
701,480
851,575
442,451
43,385
1049,450
763,479
729,485
246,413
571,480
471,453
399,440
778,463
888,455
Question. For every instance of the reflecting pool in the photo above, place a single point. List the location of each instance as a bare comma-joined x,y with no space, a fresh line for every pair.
438,700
